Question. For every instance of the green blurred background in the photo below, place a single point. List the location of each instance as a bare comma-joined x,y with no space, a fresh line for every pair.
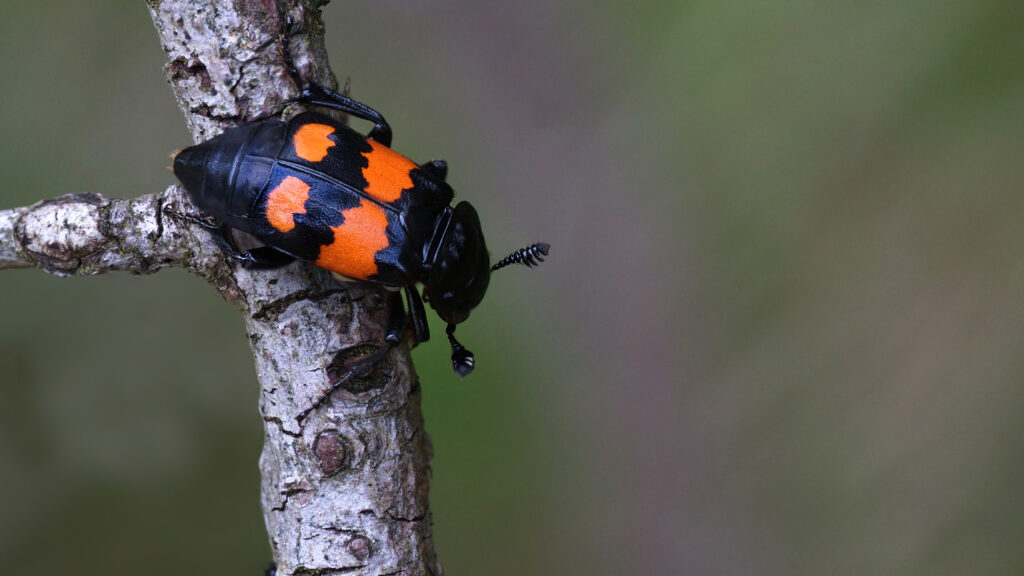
779,331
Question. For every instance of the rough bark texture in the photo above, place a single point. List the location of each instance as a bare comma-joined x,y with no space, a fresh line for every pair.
346,491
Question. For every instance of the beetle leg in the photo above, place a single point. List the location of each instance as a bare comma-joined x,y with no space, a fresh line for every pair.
436,168
318,95
261,258
265,258
396,319
357,367
312,93
420,329
286,52
210,225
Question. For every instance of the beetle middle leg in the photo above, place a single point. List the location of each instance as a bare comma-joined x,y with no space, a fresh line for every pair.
260,258
420,329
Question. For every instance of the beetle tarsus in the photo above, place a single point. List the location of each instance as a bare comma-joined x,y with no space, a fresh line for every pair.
286,53
208,224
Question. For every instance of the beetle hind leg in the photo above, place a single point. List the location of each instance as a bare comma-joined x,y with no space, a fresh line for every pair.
312,93
318,95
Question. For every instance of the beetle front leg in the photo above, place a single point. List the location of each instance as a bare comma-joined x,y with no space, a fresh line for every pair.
357,367
420,329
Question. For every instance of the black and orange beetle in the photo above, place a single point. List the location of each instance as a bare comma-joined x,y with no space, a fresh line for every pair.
314,189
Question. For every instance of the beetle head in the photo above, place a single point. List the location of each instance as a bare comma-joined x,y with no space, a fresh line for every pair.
460,271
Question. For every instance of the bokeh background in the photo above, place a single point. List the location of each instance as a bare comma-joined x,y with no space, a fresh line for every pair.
780,331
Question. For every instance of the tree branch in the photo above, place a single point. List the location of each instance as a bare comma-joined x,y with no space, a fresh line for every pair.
80,234
346,490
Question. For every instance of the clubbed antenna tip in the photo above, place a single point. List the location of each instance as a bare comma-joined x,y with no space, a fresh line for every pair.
530,256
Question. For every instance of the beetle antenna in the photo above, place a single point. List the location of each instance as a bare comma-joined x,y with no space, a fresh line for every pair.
530,256
462,359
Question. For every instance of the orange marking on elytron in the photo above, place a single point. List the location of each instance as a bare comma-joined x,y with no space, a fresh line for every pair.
311,141
387,172
356,241
285,201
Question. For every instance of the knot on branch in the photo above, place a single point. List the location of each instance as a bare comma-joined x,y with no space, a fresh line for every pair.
88,234
59,233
